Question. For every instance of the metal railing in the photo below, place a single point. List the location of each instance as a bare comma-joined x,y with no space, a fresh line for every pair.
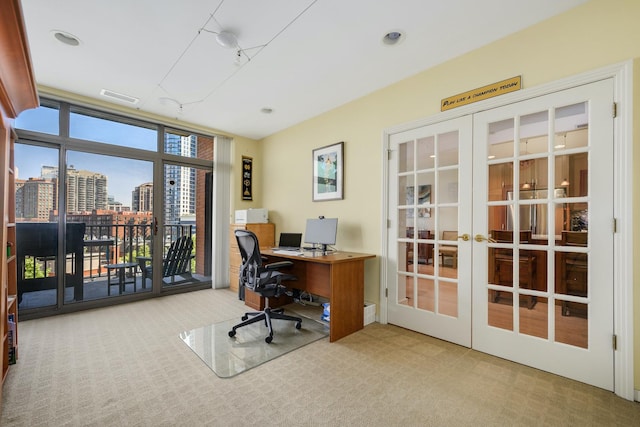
116,243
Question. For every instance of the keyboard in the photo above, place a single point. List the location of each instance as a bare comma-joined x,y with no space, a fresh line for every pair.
287,252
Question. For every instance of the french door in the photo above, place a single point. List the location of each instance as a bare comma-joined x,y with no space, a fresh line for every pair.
543,259
430,287
504,259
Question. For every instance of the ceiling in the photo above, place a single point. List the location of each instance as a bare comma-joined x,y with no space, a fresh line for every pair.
298,58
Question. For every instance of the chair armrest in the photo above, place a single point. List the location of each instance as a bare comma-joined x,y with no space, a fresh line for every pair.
143,260
277,265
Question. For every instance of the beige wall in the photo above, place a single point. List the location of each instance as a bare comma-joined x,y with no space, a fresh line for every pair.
599,33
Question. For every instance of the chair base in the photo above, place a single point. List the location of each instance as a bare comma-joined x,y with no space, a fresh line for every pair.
266,316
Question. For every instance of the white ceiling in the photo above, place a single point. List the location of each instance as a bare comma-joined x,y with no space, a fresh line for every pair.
314,55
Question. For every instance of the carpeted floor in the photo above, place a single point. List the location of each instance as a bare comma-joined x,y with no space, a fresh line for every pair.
126,366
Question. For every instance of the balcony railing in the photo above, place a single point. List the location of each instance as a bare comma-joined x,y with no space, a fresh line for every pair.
116,243
88,249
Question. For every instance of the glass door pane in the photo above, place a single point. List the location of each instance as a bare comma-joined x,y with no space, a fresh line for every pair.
36,226
109,208
186,234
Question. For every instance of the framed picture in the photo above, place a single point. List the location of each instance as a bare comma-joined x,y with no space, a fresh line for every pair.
328,172
424,197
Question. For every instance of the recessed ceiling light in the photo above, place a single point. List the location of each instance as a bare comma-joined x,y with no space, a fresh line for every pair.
393,37
66,38
266,110
491,157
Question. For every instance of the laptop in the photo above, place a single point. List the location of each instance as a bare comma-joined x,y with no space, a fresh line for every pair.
289,241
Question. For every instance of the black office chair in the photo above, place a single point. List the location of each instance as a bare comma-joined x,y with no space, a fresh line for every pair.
264,279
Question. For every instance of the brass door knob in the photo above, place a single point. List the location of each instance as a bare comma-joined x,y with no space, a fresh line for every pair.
464,237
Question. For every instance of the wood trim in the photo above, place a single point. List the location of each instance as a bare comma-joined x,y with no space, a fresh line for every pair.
17,83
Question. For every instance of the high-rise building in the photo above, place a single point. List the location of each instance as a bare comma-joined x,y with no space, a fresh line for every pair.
180,181
86,190
142,198
35,198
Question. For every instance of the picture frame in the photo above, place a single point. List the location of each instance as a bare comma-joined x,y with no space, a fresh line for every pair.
423,197
328,172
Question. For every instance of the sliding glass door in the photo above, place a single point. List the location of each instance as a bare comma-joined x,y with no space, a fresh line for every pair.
108,208
132,199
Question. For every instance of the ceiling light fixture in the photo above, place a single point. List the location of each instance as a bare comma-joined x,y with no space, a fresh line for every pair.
65,38
393,38
227,39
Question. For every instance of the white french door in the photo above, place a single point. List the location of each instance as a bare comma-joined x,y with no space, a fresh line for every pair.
430,190
531,184
543,262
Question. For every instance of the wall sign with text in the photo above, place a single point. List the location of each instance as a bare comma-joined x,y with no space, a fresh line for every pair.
484,92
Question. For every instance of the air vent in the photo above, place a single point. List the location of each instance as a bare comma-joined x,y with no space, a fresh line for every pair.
119,96
582,126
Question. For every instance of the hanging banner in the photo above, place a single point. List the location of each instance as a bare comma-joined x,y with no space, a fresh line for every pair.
247,177
484,92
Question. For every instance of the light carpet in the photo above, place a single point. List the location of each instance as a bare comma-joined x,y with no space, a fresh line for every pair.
124,366
228,357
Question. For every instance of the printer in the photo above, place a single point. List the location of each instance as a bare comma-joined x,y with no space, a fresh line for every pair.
247,216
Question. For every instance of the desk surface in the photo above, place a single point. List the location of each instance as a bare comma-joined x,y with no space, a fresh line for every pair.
330,258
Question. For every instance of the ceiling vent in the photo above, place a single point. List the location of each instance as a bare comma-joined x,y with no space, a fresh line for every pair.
119,96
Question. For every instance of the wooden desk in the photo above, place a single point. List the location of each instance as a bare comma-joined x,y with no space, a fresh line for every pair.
338,276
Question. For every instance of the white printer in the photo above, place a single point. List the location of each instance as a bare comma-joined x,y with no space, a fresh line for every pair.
247,216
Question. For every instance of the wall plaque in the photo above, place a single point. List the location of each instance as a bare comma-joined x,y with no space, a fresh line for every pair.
484,92
247,177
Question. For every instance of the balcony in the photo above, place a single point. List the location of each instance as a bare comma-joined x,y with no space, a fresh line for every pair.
101,261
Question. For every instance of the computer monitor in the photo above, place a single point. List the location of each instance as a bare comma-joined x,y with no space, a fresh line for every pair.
321,231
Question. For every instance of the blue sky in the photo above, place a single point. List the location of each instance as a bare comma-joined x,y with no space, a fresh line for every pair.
123,174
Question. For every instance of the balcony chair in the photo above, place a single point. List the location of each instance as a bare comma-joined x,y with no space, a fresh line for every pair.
263,279
177,262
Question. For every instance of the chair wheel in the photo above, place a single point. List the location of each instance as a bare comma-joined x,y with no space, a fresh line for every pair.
268,339
245,317
298,325
232,333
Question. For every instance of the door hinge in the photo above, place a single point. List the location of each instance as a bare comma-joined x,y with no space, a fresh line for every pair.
615,110
388,154
615,225
386,292
388,223
614,341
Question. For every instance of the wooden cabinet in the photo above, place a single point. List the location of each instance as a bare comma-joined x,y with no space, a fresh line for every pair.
17,93
266,233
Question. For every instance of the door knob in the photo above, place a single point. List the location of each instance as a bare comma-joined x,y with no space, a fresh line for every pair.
464,237
480,238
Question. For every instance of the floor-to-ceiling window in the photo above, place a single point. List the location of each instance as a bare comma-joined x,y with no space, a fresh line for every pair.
131,198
